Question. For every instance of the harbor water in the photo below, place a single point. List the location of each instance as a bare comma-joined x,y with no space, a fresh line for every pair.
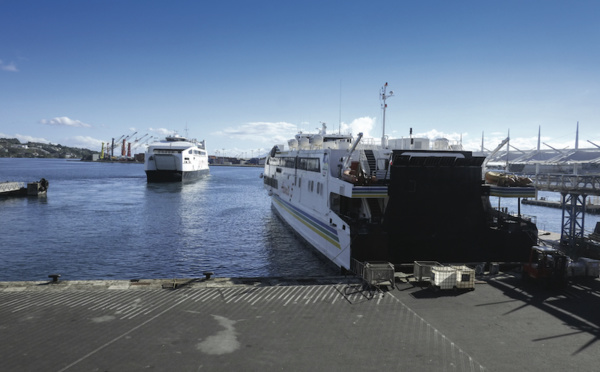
103,221
546,218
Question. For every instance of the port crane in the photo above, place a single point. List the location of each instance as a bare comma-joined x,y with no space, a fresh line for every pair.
112,146
142,143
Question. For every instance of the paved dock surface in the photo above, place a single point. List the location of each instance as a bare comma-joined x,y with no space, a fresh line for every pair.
312,324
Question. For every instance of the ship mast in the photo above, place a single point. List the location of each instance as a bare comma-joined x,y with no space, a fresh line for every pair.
384,95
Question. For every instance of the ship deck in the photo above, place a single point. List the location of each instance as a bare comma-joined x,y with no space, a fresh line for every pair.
304,324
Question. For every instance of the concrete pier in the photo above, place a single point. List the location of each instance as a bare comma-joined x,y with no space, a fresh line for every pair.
302,324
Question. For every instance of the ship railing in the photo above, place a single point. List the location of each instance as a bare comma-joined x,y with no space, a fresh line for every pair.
369,144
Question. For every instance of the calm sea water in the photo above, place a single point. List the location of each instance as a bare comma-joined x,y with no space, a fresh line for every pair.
103,221
547,219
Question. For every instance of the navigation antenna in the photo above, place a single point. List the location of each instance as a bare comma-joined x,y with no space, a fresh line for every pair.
340,119
384,95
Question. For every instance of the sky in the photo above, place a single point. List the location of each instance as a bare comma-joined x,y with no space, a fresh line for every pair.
245,75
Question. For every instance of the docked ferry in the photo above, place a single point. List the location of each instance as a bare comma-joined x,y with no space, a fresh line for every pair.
398,201
176,159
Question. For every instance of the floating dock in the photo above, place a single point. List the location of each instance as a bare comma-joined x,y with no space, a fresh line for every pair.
302,324
20,189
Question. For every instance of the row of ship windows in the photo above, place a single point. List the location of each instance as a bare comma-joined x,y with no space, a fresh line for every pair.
272,181
170,151
309,164
311,186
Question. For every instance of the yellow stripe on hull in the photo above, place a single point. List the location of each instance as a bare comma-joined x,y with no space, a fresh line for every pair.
308,224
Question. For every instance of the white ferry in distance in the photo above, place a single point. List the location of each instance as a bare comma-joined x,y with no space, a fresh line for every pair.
398,200
176,159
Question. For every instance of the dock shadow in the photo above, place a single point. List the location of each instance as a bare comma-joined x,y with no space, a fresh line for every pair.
574,305
428,292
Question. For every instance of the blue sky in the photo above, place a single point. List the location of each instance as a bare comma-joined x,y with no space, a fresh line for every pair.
244,75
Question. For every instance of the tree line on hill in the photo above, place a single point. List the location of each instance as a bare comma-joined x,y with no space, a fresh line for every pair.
13,148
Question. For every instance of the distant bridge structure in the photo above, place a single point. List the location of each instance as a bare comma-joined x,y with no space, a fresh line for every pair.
574,173
574,190
567,183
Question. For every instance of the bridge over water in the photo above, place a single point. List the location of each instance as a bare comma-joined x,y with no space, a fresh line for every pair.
574,190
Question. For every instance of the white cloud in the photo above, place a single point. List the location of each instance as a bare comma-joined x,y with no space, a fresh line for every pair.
25,138
364,125
65,121
161,131
85,142
8,66
261,132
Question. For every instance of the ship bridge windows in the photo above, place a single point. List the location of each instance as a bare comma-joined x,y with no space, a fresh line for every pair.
308,164
286,162
167,151
289,162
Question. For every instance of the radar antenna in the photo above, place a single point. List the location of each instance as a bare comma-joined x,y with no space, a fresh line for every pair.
383,96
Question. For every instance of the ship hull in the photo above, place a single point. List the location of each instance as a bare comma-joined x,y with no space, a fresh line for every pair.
328,240
156,176
176,160
431,207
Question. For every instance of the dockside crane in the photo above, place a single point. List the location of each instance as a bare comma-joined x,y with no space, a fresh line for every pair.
139,139
112,146
142,143
126,151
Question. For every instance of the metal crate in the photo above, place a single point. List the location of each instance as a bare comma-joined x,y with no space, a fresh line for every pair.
422,269
373,275
379,273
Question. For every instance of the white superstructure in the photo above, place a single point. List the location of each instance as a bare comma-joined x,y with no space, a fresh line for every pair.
175,159
389,200
310,181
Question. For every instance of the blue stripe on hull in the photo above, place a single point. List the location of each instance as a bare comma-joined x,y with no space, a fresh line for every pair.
512,192
369,191
323,230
